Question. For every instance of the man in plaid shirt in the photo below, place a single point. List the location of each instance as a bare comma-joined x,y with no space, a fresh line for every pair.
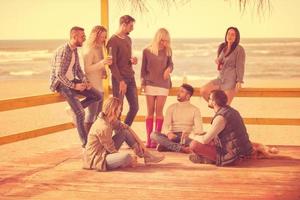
68,79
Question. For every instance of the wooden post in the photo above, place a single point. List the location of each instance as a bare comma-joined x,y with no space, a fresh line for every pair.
105,22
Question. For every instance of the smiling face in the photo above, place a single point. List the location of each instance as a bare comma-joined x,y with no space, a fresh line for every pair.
183,95
164,43
79,38
102,36
231,36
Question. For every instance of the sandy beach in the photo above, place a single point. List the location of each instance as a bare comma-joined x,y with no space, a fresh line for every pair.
42,116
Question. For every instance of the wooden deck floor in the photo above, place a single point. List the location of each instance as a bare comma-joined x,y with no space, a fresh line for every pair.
57,174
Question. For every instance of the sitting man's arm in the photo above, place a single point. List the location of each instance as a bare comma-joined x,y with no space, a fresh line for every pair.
217,126
198,125
167,125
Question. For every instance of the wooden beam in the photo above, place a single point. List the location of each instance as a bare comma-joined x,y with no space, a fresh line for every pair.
104,19
253,121
254,92
66,126
24,102
104,13
35,133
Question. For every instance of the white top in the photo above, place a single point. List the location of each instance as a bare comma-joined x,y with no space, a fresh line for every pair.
69,73
183,117
94,70
217,126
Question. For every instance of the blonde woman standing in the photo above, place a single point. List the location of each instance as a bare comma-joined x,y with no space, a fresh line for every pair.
94,67
102,149
157,65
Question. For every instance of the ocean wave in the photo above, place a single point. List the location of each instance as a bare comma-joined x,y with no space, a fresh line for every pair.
270,44
15,60
19,56
23,73
192,77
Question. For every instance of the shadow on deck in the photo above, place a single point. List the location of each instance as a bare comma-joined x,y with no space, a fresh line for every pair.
56,174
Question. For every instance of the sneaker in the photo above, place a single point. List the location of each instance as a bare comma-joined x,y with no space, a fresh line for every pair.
150,158
161,148
200,159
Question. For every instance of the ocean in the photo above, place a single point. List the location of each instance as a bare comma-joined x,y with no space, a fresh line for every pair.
265,58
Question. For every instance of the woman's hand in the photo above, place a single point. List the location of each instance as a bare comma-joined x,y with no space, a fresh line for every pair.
106,61
238,86
167,73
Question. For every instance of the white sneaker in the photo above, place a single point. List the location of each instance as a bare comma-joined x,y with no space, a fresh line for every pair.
150,158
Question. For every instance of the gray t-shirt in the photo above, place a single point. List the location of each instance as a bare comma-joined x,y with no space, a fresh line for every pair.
121,67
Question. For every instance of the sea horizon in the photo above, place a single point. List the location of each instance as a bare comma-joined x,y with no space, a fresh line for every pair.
266,58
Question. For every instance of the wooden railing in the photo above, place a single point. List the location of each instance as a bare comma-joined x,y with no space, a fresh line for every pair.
25,102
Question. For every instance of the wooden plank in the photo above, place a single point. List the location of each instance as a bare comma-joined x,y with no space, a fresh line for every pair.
256,121
24,102
51,174
62,127
255,92
35,133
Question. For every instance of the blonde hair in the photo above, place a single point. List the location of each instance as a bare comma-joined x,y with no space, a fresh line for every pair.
94,35
161,34
110,107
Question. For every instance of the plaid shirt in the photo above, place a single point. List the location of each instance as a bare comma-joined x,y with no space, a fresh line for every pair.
60,64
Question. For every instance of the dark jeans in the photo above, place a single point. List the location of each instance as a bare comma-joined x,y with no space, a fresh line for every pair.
131,96
172,145
77,106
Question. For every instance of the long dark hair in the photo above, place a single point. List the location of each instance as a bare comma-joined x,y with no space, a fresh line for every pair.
235,43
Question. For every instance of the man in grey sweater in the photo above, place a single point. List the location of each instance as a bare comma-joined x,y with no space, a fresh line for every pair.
123,81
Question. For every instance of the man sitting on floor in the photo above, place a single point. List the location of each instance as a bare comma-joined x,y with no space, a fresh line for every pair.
181,119
227,139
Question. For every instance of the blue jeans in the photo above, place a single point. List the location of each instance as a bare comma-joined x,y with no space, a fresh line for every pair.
77,106
172,145
120,159
93,110
131,96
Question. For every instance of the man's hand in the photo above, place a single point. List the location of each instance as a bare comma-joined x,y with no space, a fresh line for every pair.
88,85
122,87
134,60
171,136
80,86
184,135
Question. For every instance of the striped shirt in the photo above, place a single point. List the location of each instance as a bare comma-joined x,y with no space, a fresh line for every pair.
60,64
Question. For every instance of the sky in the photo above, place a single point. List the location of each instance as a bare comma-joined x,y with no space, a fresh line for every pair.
52,19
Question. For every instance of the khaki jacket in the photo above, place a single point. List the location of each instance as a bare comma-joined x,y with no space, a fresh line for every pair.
99,144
